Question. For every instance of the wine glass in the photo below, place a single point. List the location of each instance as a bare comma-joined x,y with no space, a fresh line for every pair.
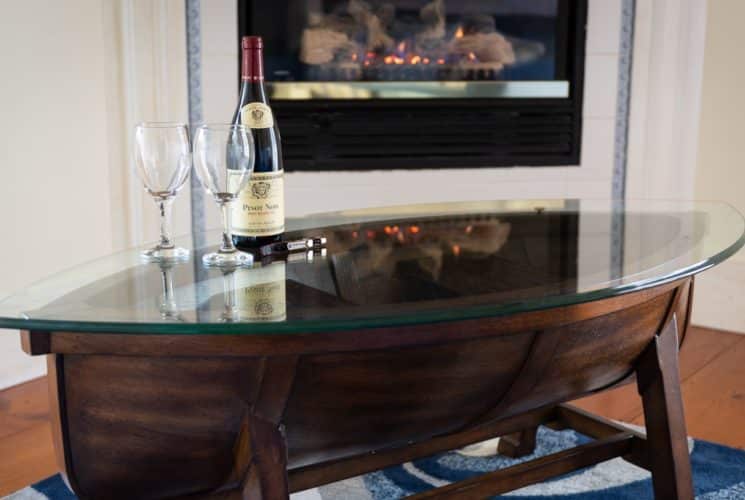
224,160
163,162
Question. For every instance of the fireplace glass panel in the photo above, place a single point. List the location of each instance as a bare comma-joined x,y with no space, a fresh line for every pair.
383,41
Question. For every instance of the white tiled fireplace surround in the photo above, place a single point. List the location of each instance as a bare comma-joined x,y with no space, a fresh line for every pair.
318,191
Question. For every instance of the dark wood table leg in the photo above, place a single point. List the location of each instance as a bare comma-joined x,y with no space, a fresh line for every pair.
260,452
518,444
266,478
659,386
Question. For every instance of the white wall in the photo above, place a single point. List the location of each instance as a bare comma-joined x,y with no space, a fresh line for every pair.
665,98
319,191
53,152
720,174
77,75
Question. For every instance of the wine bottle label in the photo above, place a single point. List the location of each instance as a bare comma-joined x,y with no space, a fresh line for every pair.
260,207
257,115
262,297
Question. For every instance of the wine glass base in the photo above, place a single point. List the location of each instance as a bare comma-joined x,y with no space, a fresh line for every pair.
228,259
159,254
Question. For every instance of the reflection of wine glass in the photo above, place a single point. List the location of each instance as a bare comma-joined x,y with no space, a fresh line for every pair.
224,160
230,314
168,307
163,162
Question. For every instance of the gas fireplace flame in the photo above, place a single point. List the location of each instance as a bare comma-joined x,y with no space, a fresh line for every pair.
359,42
406,52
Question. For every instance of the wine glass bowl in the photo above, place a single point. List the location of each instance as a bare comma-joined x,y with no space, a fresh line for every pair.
223,162
162,163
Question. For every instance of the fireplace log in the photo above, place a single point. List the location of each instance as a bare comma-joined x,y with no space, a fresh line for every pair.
433,19
320,45
377,38
487,47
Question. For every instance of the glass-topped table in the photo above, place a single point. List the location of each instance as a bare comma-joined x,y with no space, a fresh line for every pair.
418,329
394,266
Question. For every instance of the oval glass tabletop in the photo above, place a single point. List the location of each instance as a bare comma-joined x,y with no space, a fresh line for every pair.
394,266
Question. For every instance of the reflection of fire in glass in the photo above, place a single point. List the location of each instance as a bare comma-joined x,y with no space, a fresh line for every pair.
388,258
361,40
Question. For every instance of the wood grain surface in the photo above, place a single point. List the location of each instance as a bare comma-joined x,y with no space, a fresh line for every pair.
712,385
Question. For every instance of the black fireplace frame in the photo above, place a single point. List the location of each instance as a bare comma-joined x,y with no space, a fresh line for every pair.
378,134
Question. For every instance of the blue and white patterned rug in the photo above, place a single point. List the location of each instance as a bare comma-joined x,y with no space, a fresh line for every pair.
719,474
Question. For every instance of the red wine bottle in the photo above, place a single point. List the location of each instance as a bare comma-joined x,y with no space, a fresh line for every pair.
259,213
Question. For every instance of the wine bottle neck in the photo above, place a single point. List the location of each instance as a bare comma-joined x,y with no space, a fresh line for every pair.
252,65
253,91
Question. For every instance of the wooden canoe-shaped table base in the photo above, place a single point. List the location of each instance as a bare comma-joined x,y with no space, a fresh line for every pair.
257,418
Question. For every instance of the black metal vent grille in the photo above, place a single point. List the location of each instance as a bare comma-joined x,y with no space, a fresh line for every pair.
412,135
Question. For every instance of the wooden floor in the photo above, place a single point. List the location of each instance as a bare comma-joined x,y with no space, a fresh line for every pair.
712,375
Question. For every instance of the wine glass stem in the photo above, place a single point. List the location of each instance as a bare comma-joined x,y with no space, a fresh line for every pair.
228,283
227,231
168,306
165,207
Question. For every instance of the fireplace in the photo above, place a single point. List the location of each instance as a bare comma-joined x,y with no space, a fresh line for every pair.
373,84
